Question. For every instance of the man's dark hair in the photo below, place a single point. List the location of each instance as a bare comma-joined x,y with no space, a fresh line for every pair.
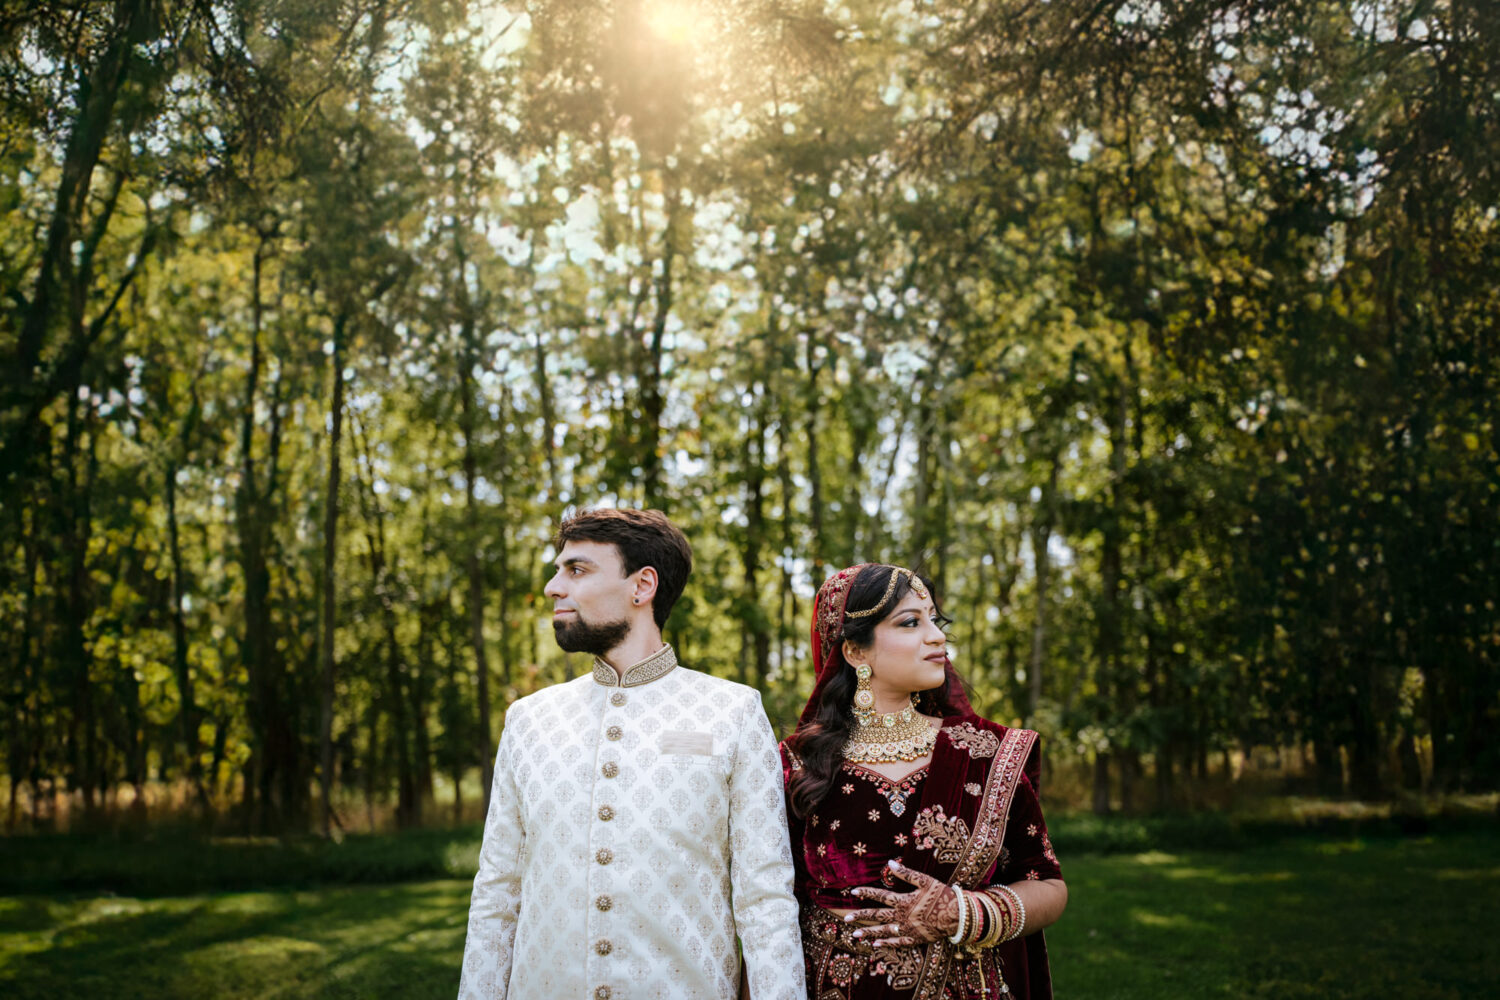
644,538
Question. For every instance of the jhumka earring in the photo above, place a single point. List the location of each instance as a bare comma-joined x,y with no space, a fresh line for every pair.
882,739
864,698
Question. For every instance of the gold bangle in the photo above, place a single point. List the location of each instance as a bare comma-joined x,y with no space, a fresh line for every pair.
992,911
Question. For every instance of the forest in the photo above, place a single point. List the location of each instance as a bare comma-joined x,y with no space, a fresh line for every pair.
1160,333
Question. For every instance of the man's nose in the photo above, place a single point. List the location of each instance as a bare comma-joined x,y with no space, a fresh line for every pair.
554,588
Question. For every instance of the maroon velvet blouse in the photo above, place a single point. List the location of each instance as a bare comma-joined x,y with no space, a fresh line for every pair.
935,820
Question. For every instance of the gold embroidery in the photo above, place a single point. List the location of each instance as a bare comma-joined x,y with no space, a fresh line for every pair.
943,835
900,966
653,667
979,743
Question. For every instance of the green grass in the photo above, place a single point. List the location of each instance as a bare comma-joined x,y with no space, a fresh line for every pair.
1308,918
1292,918
172,863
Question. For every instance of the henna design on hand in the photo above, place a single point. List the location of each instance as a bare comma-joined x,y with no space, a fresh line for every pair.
927,913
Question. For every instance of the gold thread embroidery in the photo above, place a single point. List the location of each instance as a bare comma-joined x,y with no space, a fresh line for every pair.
979,743
653,667
943,835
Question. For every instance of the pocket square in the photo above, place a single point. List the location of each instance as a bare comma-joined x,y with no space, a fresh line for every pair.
687,742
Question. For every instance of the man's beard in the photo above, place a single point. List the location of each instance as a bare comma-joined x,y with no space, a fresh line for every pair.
579,636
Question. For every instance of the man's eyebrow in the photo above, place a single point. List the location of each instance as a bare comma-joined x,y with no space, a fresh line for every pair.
574,561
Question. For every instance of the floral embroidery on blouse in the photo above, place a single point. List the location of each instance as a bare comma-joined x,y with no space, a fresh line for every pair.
1031,830
943,835
896,793
874,815
900,839
848,789
860,849
1032,875
973,788
834,825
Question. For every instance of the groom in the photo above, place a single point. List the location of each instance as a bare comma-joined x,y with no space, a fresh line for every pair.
636,824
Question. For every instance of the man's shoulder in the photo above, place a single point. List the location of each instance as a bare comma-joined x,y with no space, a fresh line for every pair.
720,687
548,697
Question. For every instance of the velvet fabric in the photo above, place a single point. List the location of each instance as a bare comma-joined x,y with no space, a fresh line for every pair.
938,820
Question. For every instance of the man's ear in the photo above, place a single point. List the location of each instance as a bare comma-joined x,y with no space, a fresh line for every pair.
646,581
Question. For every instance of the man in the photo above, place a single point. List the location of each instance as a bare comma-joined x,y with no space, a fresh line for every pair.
636,823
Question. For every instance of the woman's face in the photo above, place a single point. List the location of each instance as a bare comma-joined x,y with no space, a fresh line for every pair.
907,653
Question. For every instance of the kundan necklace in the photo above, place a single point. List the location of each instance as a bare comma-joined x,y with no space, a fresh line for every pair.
893,736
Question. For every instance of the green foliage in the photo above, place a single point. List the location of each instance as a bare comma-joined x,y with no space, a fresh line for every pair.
1162,338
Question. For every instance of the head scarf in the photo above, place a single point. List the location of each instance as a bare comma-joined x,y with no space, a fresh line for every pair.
828,645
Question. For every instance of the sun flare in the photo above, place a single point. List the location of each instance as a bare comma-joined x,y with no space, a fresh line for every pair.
676,22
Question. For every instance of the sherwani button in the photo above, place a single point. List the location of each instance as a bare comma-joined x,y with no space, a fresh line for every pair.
617,699
604,903
610,769
603,947
606,813
604,855
601,993
614,732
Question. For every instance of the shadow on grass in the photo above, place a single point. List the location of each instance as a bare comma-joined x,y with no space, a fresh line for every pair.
1299,919
176,864
376,941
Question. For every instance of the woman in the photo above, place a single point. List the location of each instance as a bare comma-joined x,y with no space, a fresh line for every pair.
923,864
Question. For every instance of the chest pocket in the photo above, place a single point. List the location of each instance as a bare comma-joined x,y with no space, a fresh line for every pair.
685,748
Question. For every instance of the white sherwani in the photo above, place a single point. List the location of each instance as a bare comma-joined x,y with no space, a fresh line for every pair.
636,827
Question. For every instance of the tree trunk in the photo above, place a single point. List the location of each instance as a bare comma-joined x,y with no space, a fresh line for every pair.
1041,540
652,397
274,750
187,713
330,579
475,571
98,91
814,469
755,634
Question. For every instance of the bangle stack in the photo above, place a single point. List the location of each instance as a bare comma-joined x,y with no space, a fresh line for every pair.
985,921
1017,911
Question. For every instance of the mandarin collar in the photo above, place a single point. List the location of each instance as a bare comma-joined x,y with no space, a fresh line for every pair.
657,665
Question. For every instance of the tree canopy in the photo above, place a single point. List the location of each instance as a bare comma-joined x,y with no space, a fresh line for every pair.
1160,334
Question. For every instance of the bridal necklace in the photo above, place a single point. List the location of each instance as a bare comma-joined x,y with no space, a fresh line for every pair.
883,738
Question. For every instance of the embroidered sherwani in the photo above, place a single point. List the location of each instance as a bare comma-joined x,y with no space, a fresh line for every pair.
636,827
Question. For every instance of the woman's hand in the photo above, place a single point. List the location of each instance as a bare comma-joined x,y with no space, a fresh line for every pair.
904,919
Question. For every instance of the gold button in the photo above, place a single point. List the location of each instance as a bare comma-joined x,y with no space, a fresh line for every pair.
604,855
617,699
601,993
604,903
614,732
610,769
603,947
606,813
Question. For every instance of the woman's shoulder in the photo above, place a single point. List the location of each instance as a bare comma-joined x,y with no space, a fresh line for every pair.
969,730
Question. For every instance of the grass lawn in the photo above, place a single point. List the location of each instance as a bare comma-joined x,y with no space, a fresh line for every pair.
1301,917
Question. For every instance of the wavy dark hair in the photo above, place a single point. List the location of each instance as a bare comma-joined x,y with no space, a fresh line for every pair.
820,742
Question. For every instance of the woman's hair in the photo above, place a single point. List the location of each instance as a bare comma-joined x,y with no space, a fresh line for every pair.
820,743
